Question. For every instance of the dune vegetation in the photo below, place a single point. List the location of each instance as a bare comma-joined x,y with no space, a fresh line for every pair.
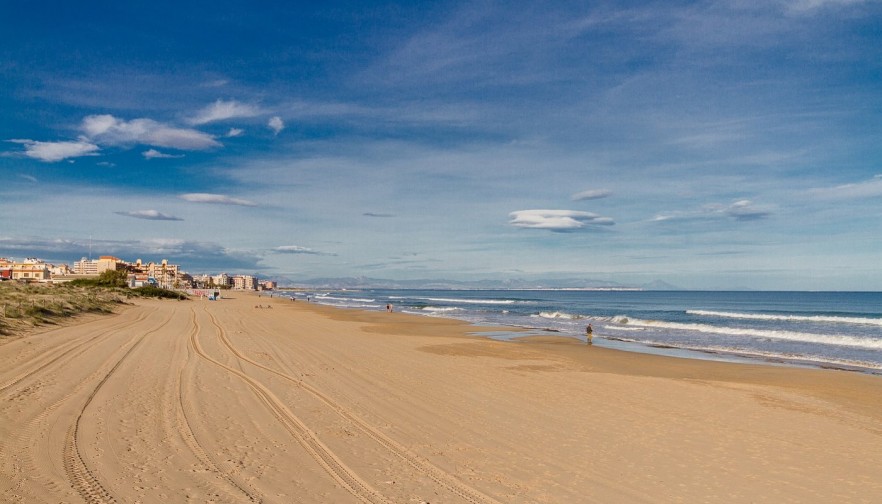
25,306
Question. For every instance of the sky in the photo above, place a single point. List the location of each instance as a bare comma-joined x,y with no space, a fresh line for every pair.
710,145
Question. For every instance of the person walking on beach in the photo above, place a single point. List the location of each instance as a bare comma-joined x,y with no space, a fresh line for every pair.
389,308
589,334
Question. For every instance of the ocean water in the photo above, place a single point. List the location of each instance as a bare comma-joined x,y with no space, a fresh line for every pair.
823,329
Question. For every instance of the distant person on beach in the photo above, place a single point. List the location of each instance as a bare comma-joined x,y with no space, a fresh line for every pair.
389,308
589,333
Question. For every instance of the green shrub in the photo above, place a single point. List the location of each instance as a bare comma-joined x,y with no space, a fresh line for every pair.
157,292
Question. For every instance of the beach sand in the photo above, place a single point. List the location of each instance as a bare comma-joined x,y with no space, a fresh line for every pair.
201,401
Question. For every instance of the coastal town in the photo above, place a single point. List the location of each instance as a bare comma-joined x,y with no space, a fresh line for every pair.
160,274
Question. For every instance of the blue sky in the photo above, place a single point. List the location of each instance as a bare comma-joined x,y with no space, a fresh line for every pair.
707,144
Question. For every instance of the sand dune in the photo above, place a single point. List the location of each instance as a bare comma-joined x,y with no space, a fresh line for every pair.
223,401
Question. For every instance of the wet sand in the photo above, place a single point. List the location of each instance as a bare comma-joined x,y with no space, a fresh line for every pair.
201,401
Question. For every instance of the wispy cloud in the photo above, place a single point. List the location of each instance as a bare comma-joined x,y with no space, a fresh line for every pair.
222,110
51,152
276,124
149,215
558,220
811,6
220,199
867,189
591,194
108,130
155,154
741,210
29,178
234,132
380,215
297,249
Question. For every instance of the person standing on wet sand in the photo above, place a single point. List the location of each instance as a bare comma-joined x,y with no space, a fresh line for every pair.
589,334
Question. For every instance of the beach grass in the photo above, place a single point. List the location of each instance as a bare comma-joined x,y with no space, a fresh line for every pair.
26,306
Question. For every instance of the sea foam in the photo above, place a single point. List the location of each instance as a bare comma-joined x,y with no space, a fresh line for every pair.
822,339
832,319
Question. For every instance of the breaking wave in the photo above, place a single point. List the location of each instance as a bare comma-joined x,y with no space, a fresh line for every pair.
831,319
822,339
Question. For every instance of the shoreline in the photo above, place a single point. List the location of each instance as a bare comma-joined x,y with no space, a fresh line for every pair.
600,358
692,338
265,399
511,332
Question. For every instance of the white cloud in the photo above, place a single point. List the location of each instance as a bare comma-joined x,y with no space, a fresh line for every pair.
149,215
29,178
297,249
51,152
107,129
234,132
222,110
809,6
276,124
558,220
867,189
155,154
221,199
591,194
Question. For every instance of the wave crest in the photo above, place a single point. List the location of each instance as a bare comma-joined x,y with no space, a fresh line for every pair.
832,319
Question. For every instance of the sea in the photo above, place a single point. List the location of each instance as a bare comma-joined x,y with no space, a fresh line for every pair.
840,330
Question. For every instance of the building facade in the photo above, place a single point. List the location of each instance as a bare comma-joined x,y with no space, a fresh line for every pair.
30,271
244,282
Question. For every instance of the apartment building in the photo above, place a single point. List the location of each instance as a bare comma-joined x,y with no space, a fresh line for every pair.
222,280
244,282
31,270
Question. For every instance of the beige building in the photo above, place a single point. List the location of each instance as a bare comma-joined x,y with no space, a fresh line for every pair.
97,266
222,280
30,271
166,275
244,282
110,263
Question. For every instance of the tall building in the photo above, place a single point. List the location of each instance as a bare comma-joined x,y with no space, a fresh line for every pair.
86,267
97,266
244,282
222,280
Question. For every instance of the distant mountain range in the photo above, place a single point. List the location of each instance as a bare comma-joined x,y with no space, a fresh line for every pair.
380,283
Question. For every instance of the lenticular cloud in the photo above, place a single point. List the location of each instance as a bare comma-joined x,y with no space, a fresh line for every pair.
558,220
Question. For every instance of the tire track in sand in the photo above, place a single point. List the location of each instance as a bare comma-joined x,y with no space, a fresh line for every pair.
81,477
55,354
436,474
185,430
24,465
332,464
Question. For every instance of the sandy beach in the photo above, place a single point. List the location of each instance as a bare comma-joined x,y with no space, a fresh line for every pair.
252,399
